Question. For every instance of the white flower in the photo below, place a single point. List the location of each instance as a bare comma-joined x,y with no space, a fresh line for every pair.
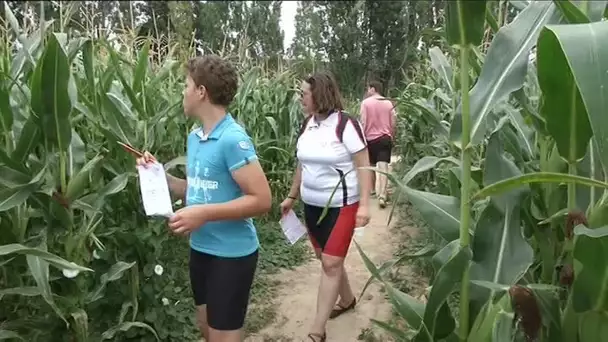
70,273
165,301
158,269
96,255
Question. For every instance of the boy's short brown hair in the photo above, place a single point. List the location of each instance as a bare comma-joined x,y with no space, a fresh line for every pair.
217,75
325,92
376,85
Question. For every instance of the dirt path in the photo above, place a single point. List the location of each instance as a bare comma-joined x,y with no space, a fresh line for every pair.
296,301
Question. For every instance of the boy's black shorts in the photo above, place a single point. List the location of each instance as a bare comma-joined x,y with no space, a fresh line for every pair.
223,284
380,149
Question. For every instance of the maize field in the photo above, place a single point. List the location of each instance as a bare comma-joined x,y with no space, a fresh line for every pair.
508,136
503,139
79,259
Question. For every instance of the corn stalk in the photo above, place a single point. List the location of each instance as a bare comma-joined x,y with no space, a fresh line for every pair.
508,207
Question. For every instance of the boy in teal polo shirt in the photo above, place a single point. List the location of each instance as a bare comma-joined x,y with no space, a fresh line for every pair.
211,160
225,187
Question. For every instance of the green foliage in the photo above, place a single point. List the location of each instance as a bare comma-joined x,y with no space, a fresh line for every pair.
356,40
69,196
363,40
502,134
532,179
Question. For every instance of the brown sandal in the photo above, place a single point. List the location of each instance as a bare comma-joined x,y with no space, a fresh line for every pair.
341,309
314,337
382,202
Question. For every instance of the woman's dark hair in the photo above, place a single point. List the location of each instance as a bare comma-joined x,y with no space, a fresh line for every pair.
325,92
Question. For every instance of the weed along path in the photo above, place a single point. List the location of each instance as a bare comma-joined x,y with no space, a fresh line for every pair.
297,296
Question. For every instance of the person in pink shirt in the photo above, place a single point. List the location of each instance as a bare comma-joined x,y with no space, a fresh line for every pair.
378,118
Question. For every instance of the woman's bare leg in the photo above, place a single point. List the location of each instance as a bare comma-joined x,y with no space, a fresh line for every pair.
346,292
329,287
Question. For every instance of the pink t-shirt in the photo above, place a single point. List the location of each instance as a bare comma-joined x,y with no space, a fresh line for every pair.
377,117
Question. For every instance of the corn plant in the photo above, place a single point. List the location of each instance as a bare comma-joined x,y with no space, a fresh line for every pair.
61,116
269,110
79,259
520,229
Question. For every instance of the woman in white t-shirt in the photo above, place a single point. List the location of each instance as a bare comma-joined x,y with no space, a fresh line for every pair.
330,149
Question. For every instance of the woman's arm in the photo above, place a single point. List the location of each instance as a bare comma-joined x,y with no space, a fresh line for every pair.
356,145
294,191
361,159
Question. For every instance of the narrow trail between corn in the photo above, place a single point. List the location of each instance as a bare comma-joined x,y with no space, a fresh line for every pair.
297,297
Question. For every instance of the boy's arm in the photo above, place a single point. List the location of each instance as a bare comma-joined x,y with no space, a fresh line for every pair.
363,115
256,199
394,122
242,161
177,186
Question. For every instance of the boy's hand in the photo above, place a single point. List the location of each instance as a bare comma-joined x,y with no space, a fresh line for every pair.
188,219
145,160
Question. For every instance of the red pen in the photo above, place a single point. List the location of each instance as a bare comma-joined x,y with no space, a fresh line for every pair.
131,150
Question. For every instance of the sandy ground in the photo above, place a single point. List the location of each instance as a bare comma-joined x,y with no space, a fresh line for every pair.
296,302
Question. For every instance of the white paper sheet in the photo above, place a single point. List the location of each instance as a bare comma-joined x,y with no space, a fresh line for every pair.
359,231
155,190
292,227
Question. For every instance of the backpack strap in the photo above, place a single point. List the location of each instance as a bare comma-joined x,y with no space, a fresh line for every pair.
343,119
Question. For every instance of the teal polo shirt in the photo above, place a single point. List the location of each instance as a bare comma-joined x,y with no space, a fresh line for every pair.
211,160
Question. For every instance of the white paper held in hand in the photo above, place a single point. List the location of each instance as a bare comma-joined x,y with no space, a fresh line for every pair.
155,190
292,227
359,231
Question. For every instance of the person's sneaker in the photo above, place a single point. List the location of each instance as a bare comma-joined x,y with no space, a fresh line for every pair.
382,203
